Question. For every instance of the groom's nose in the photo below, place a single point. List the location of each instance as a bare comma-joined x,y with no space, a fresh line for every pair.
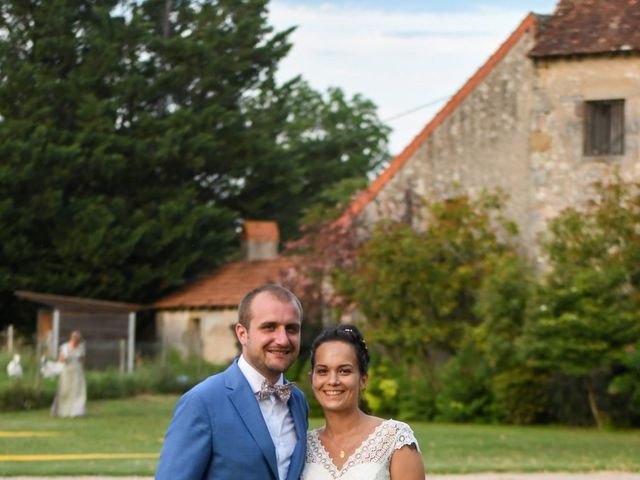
281,336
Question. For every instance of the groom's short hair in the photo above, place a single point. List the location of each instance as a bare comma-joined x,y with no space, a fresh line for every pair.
276,291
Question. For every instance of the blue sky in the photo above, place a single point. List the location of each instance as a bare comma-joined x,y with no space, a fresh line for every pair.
405,55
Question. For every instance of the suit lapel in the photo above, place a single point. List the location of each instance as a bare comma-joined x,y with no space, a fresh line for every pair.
297,412
246,404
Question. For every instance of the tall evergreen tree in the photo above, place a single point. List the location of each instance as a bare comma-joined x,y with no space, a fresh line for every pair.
118,138
134,135
319,140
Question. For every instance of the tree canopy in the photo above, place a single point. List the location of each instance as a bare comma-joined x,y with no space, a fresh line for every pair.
418,290
134,136
588,304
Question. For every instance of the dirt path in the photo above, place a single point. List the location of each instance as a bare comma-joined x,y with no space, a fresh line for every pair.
474,476
540,476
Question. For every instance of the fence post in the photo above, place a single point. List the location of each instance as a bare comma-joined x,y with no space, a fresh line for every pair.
38,356
55,333
131,341
122,354
10,339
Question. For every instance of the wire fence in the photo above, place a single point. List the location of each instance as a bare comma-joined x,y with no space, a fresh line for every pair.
100,354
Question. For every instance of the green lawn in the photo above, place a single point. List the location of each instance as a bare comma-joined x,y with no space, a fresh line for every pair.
136,426
111,426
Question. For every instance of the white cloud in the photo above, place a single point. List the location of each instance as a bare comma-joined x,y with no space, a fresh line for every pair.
399,59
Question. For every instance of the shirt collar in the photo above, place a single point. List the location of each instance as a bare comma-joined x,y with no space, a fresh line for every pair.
254,377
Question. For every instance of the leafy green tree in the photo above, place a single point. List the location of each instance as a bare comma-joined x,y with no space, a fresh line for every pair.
503,300
320,141
588,309
418,290
134,135
116,140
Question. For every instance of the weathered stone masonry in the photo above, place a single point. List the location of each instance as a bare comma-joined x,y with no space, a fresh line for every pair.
517,125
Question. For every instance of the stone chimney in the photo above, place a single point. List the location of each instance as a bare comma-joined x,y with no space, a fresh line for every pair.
259,240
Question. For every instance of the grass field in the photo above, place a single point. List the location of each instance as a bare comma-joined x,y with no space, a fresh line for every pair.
124,437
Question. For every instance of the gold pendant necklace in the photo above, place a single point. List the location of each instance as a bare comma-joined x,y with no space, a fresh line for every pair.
341,453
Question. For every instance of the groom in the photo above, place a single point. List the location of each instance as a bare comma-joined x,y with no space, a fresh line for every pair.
246,422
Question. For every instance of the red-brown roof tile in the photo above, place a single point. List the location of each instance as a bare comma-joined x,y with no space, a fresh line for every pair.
361,201
260,231
226,286
584,27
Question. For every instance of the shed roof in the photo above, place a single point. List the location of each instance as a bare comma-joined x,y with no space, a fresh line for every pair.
583,27
63,302
226,286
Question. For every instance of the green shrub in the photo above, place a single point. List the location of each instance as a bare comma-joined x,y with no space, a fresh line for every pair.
624,388
465,393
110,383
300,376
19,395
522,396
169,375
380,396
416,396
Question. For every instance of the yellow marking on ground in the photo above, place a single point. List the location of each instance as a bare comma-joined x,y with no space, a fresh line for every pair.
74,456
16,434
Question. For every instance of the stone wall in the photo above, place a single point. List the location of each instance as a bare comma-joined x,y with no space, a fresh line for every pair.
481,144
520,129
200,332
561,174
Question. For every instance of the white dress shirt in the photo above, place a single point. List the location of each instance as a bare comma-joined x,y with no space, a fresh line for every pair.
276,415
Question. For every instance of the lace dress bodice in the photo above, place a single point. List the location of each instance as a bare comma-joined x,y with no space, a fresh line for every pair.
371,460
72,355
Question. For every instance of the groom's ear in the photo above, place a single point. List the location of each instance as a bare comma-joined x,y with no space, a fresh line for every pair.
241,333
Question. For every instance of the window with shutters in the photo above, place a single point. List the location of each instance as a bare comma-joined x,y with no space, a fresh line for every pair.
604,127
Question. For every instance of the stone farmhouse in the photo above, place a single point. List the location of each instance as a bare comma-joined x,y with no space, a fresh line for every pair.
199,319
553,110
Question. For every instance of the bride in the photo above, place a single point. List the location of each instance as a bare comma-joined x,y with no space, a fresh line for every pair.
353,445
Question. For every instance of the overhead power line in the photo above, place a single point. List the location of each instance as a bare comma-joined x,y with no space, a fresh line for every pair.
433,102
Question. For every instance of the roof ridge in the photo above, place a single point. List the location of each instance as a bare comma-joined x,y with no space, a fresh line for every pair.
358,204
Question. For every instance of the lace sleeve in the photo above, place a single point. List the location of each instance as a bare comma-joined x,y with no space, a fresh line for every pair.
405,436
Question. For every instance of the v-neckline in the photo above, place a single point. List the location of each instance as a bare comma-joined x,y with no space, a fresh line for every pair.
339,470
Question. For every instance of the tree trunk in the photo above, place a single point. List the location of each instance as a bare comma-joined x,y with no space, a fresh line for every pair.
592,403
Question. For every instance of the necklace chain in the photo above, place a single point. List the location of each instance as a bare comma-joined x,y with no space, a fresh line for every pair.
335,444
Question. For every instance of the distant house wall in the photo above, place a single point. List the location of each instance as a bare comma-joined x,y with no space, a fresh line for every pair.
562,174
521,129
200,332
482,143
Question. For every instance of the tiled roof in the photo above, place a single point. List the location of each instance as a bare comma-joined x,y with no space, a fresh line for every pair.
227,285
63,302
581,27
260,231
361,201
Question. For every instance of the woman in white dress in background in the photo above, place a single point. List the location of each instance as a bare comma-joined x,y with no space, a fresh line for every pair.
71,395
353,445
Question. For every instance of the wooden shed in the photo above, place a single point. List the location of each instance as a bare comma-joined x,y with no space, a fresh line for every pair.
108,328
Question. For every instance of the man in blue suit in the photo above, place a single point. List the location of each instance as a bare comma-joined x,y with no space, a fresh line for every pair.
247,422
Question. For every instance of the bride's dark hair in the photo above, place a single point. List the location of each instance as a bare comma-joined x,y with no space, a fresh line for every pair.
347,334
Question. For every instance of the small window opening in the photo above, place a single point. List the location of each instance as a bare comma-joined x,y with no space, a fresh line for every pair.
604,128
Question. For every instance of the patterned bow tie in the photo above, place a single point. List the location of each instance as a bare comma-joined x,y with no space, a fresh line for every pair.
281,392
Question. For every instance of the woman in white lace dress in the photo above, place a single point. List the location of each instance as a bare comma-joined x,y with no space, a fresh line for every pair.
71,395
353,445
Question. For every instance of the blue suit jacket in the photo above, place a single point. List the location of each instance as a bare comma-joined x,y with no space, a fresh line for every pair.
218,432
